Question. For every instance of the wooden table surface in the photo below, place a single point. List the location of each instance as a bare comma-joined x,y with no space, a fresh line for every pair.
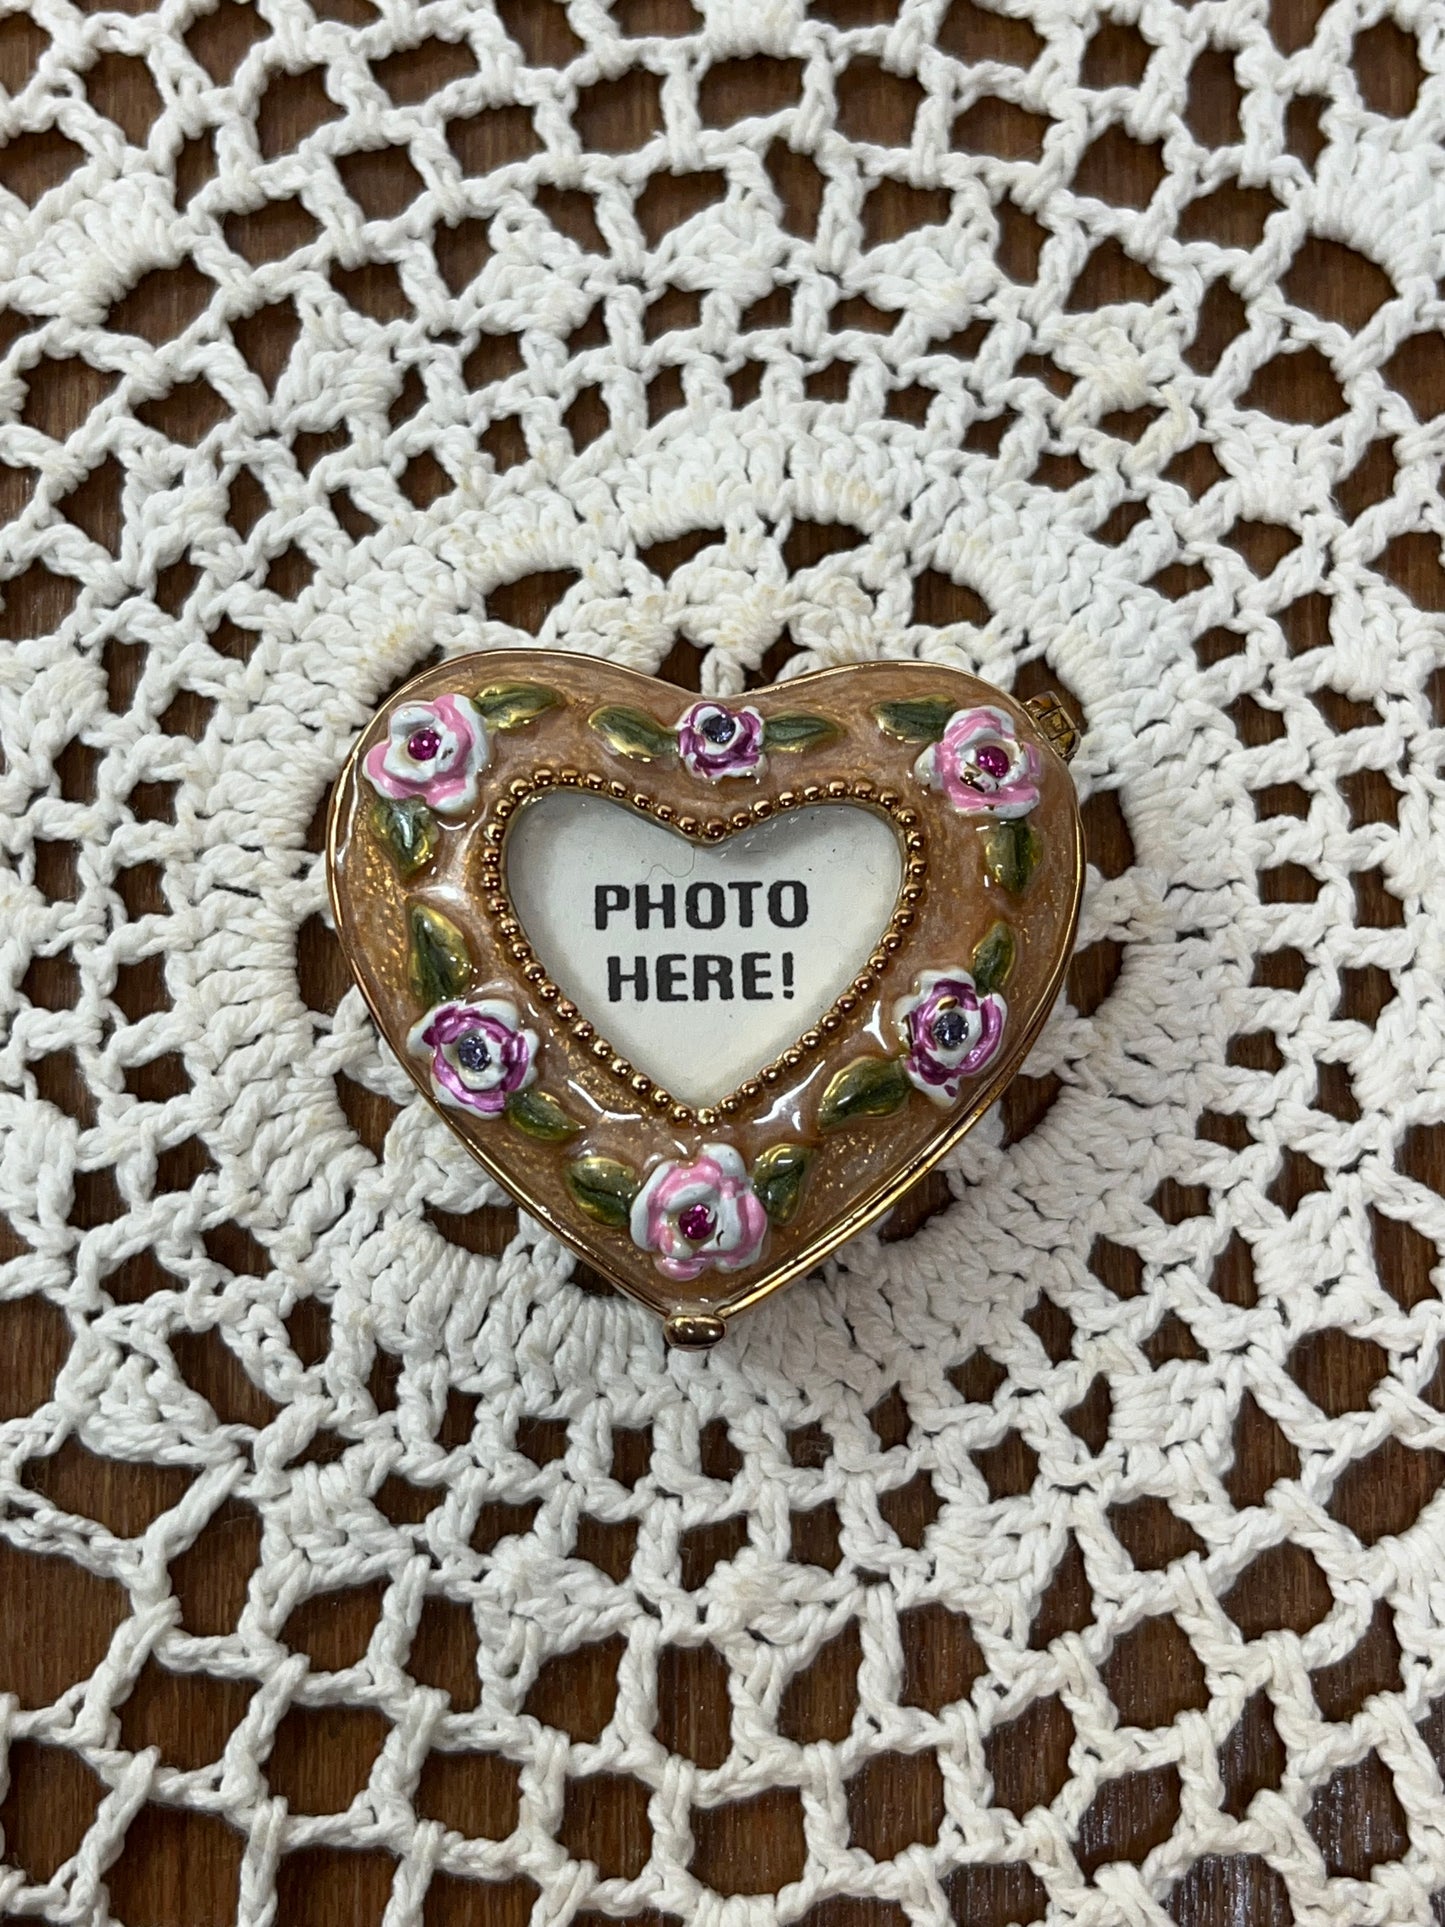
180,1868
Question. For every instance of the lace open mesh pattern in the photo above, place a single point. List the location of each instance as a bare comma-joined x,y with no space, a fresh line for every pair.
1075,1546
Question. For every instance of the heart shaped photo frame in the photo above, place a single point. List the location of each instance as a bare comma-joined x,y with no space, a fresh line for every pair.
706,985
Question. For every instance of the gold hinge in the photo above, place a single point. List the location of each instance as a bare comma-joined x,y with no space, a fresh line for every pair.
1056,725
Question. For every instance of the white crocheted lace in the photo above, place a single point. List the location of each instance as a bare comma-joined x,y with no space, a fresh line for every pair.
253,685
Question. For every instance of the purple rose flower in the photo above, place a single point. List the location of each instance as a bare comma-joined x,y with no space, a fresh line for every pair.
480,1054
981,766
949,1031
716,742
433,750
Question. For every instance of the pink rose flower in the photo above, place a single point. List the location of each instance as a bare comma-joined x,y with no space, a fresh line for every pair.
949,1030
434,750
700,1214
480,1054
715,742
981,766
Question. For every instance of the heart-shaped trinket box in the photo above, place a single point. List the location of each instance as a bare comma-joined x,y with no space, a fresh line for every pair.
706,985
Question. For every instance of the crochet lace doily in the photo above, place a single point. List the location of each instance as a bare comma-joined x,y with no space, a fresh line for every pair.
1091,351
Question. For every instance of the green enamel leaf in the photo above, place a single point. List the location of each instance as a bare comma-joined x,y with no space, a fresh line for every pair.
440,966
1012,852
603,1188
508,705
799,732
536,1115
994,959
868,1087
406,830
778,1179
631,732
921,720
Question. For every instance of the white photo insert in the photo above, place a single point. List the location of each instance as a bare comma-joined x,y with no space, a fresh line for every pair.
699,963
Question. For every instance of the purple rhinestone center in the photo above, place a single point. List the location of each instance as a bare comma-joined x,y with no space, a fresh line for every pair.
950,1028
473,1051
697,1224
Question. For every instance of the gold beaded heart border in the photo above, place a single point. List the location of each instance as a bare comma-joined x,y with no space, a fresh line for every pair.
701,1211
710,830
